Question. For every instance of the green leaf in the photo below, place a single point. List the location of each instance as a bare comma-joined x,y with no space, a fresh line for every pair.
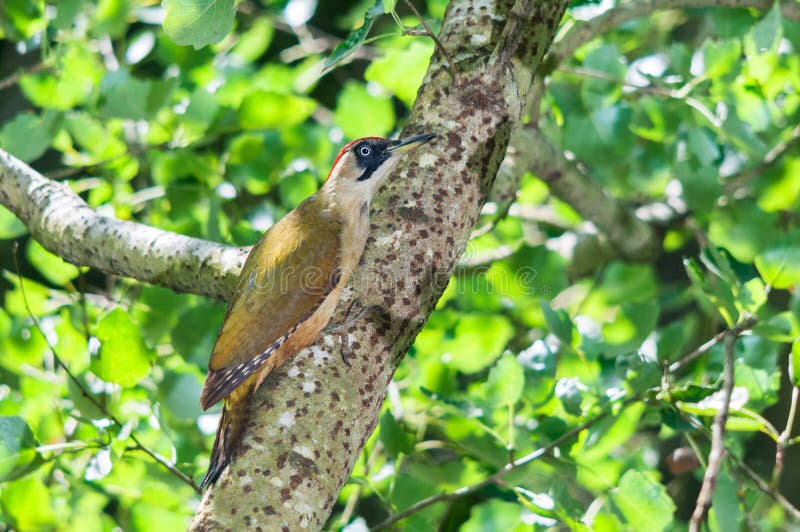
722,57
151,515
18,454
125,96
198,22
402,71
765,34
505,382
794,363
703,145
719,293
10,226
559,322
361,114
779,263
394,437
91,135
27,136
599,94
725,504
354,40
74,82
762,386
539,362
263,109
478,339
27,297
196,331
52,267
693,393
180,394
27,505
494,515
255,41
641,372
297,187
643,503
123,357
624,283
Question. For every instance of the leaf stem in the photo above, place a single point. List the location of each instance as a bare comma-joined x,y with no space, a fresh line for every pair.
436,40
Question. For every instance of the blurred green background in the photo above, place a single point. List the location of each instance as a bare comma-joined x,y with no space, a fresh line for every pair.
697,108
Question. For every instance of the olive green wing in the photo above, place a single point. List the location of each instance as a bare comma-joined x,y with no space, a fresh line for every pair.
287,275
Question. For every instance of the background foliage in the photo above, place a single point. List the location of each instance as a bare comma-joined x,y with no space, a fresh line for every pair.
213,134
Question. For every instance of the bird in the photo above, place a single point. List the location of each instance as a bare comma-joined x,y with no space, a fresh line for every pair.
291,283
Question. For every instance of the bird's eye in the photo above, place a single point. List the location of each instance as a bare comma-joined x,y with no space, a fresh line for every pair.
364,151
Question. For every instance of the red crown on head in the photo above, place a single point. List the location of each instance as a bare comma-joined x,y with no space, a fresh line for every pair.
347,147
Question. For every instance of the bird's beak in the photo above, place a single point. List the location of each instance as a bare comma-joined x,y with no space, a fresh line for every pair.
402,146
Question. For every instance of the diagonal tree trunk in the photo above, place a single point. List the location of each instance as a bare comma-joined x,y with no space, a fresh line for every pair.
312,416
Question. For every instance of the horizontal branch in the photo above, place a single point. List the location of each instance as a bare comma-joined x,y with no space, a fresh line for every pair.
64,224
582,33
632,238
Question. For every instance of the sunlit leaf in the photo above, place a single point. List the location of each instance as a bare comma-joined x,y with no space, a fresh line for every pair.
262,109
123,357
27,504
643,503
27,136
198,22
354,40
394,437
794,363
402,71
18,455
505,383
779,263
361,114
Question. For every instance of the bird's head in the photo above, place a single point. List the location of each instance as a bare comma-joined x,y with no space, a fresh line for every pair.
363,164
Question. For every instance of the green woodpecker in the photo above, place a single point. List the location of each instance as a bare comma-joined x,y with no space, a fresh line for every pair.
291,283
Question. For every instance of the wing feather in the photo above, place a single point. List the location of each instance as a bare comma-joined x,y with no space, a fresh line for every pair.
287,275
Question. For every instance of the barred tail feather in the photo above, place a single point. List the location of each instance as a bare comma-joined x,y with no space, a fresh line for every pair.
222,382
219,455
228,438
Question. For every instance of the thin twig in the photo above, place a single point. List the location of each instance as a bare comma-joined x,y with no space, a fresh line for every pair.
499,474
676,94
737,330
100,406
16,76
780,452
765,488
436,40
737,182
717,453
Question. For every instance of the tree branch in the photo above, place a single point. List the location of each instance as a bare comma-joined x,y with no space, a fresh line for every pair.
717,453
311,418
632,238
64,224
580,34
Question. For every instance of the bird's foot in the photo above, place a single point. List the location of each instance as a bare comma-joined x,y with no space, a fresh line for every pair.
341,329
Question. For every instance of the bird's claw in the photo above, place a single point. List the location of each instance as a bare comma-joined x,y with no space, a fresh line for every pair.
341,329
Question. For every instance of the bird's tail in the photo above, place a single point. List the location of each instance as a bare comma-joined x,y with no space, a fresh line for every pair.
229,436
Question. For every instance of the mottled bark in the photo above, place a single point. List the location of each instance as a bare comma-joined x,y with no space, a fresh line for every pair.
63,223
312,416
